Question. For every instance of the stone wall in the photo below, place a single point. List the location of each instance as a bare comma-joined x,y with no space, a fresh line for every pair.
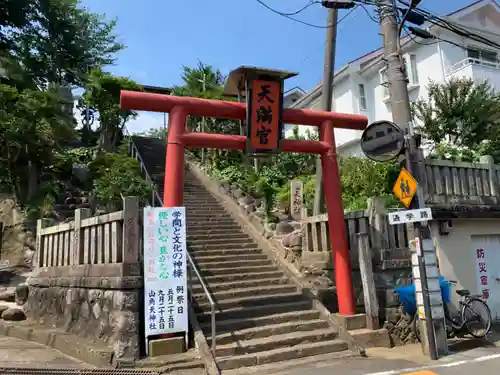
88,278
104,311
17,240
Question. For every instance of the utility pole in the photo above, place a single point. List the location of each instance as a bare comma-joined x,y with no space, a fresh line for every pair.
434,333
326,100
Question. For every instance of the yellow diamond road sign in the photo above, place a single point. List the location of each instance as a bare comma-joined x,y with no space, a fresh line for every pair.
405,187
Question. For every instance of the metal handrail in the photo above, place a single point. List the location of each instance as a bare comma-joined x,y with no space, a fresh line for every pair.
210,300
135,154
138,157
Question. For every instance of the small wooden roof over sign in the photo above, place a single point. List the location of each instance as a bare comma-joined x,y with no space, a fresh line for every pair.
235,84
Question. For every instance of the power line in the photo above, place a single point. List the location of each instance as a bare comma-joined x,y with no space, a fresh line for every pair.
304,22
368,12
459,30
308,55
288,14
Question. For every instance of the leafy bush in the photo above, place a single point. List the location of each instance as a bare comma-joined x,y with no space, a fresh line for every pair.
116,175
362,178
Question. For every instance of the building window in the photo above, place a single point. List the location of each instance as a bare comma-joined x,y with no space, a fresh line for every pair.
362,97
411,69
482,55
384,82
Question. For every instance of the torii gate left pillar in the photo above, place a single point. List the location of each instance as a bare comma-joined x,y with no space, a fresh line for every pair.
179,139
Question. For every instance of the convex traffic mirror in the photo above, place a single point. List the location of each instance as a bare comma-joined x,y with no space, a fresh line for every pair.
382,141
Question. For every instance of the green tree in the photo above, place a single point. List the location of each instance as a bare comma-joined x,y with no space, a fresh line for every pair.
102,93
116,175
160,133
459,115
204,81
60,42
362,178
32,125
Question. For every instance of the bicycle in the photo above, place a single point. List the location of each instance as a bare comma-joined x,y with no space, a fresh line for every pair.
472,310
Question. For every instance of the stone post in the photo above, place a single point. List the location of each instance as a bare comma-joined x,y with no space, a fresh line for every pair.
377,220
40,253
77,254
130,233
492,175
369,290
296,199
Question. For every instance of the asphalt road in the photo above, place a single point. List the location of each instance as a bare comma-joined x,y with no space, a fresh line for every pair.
480,361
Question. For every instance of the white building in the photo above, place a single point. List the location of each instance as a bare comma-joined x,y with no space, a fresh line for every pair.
358,86
291,96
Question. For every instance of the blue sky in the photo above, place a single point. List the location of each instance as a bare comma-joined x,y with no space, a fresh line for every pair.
163,35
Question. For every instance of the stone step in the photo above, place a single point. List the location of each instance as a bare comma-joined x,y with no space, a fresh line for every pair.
229,258
250,312
220,241
223,251
211,221
233,293
268,331
207,203
285,367
202,211
223,278
209,206
217,287
276,341
217,236
195,199
202,214
249,271
172,362
195,228
240,263
204,205
255,300
369,338
216,246
198,197
196,193
247,323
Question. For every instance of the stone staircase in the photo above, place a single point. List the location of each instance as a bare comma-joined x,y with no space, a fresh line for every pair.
261,317
152,151
264,323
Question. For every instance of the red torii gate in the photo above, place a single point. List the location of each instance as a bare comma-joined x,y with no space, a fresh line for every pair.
179,138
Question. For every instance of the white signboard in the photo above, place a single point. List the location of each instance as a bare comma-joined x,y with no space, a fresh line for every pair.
165,280
410,216
296,199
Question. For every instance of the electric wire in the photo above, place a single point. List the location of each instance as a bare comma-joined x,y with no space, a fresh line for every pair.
459,30
310,3
363,6
304,22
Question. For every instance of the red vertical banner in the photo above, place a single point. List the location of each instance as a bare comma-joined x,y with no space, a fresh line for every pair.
264,116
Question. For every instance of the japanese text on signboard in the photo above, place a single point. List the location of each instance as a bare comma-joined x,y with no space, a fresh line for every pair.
482,272
165,270
265,115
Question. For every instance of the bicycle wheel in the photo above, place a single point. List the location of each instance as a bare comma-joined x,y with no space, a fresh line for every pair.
477,317
415,326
